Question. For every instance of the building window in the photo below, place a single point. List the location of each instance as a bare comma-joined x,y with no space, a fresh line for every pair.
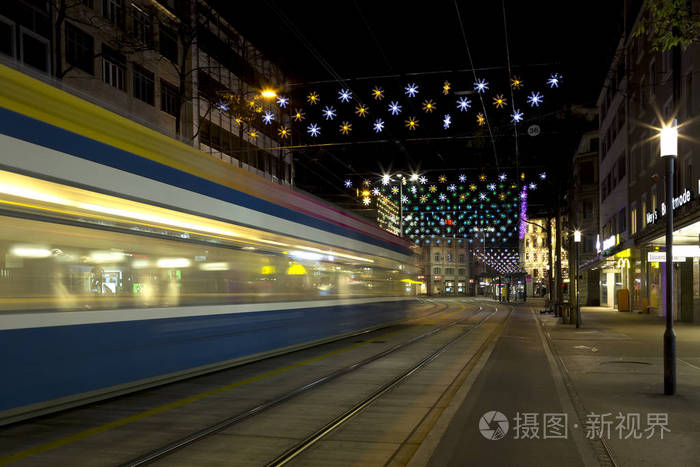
34,50
144,87
168,44
461,258
436,270
461,271
80,49
587,206
621,221
143,26
449,257
168,98
633,218
113,68
7,36
449,271
644,210
437,257
113,10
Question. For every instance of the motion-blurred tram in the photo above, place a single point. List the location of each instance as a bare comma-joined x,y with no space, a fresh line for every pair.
129,259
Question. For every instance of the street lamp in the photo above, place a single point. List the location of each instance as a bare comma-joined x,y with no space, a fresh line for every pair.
577,241
669,151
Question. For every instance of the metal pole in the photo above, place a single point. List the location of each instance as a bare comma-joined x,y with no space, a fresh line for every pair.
669,335
578,274
400,207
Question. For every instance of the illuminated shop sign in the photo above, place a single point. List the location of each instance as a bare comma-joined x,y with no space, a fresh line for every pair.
684,198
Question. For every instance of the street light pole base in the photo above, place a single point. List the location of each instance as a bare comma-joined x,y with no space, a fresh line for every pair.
669,362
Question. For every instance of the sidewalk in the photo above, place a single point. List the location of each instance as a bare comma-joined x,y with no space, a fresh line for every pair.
615,362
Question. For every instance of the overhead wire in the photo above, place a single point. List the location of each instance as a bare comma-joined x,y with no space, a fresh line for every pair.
510,81
481,98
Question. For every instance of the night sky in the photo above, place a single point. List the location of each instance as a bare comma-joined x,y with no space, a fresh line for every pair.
368,43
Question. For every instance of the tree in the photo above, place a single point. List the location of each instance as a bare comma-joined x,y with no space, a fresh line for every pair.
74,11
668,23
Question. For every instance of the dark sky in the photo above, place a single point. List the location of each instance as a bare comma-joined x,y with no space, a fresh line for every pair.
359,39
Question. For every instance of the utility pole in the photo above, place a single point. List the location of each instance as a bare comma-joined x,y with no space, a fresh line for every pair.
557,252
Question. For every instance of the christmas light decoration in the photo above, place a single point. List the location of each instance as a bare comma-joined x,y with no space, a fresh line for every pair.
282,101
523,213
344,95
543,175
386,179
298,115
412,123
462,178
411,90
516,116
378,93
315,131
554,80
480,119
268,118
346,128
534,99
376,192
446,121
452,187
329,113
516,83
361,110
366,200
429,106
284,132
481,85
499,101
442,179
253,134
348,183
313,98
378,125
502,177
394,108
446,87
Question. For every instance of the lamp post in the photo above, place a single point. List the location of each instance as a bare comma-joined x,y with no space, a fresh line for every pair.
669,151
577,242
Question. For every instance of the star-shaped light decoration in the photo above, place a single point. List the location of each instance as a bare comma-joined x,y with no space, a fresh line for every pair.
346,128
502,177
313,130
516,83
462,178
462,197
446,121
411,90
432,188
412,123
442,197
423,198
348,183
423,179
283,101
394,108
472,187
480,119
429,106
533,185
481,85
378,93
329,113
482,177
344,95
482,196
394,189
366,200
253,134
554,80
404,199
452,187
446,87
463,104
534,99
378,125
222,106
361,110
413,189
516,116
499,101
543,175
284,132
491,186
298,115
366,182
442,179
375,191
386,179
313,98
268,118
502,196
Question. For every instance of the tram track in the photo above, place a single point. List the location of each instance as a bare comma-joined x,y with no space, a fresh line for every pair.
162,452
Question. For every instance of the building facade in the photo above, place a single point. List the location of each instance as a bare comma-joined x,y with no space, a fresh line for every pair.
534,257
446,267
165,64
640,81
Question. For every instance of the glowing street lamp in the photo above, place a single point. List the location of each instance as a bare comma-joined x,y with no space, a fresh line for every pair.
577,241
669,151
268,93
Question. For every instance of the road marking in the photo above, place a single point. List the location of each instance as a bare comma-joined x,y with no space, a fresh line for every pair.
41,448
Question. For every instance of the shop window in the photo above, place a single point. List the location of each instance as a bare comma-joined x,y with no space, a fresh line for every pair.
80,49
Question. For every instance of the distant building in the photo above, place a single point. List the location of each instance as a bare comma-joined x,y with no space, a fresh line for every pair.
534,257
445,265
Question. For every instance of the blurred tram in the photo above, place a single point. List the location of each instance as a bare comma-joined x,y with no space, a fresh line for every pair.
129,259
